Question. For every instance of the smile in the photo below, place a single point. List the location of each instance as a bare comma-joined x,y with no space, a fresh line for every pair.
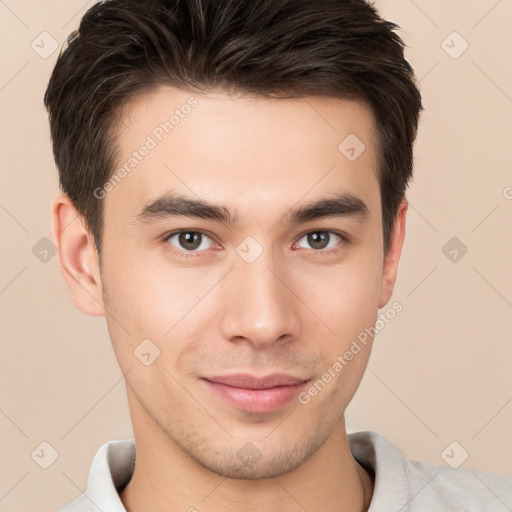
253,394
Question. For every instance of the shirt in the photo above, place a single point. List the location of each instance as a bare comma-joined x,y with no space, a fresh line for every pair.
400,485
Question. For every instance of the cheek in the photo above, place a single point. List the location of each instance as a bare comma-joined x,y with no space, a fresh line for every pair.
345,297
171,307
156,299
150,293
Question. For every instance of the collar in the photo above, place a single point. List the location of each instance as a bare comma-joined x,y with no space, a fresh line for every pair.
113,466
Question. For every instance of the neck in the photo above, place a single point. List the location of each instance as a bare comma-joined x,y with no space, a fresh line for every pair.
165,478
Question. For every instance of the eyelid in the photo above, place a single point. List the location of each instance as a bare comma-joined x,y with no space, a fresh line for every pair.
344,240
184,253
342,234
344,237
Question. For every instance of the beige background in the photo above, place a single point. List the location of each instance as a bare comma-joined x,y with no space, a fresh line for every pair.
440,372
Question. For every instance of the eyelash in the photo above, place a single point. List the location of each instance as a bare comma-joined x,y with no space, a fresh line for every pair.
189,254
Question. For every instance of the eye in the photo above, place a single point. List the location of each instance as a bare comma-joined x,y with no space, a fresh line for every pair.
321,240
189,241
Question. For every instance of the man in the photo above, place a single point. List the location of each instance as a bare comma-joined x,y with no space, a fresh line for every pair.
233,178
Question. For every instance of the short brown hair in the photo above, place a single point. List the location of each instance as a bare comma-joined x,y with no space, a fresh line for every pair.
274,48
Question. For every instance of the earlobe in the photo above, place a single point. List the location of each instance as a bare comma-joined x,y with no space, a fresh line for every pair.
78,258
392,258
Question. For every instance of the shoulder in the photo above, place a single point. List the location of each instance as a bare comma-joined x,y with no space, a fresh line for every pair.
467,489
416,486
112,467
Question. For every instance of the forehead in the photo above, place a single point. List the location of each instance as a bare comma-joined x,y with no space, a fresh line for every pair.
246,149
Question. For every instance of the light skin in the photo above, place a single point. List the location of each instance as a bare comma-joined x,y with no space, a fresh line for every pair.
293,310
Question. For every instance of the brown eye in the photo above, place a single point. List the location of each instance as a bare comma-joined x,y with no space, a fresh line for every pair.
189,241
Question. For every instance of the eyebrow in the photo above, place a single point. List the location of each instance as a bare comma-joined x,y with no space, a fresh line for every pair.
172,204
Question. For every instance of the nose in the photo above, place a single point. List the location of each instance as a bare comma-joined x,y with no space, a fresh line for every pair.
260,305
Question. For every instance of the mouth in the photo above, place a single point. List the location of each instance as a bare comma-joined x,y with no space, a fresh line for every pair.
256,394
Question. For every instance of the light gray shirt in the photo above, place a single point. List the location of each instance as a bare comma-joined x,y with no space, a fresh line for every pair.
401,485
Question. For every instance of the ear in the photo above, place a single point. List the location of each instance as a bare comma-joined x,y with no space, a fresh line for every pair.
78,257
392,258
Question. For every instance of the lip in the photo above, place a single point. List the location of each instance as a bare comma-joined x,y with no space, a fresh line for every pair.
256,394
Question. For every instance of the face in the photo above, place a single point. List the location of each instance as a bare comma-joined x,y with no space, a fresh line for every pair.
225,313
